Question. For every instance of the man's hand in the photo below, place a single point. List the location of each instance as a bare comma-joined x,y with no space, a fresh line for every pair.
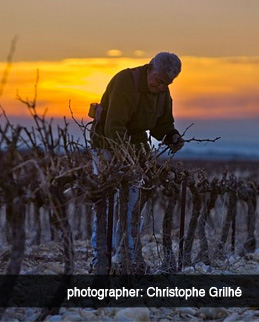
177,143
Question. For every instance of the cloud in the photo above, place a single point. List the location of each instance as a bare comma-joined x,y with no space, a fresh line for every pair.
231,101
238,105
240,60
139,53
114,53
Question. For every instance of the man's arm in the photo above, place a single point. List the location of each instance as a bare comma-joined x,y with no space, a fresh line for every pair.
165,123
165,127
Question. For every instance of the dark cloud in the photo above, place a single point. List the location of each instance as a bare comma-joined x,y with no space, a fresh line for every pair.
235,102
241,60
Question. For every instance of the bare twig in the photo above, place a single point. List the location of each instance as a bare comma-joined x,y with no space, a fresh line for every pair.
8,65
187,129
193,139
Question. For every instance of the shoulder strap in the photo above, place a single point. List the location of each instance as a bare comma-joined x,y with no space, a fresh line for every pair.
161,104
135,72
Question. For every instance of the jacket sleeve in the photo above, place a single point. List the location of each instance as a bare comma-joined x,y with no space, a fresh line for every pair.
121,105
165,123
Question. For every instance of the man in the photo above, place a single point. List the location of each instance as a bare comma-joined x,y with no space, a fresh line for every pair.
137,100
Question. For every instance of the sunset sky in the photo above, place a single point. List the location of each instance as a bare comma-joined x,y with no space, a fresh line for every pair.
206,88
78,45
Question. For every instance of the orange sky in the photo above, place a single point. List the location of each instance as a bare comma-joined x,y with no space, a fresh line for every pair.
206,88
54,30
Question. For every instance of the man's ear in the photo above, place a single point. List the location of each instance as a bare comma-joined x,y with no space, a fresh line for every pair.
150,67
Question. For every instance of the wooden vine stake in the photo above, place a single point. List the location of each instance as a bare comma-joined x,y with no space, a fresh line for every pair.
182,222
110,231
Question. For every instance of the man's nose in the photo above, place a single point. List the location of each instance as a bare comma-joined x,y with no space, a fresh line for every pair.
162,87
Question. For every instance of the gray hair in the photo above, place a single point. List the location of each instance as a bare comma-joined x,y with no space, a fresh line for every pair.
167,63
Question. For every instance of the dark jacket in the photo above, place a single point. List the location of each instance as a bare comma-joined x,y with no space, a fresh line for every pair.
129,114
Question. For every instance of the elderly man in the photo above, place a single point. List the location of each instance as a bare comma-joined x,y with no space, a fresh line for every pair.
137,100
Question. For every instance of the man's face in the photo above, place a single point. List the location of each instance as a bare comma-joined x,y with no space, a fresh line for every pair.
157,81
